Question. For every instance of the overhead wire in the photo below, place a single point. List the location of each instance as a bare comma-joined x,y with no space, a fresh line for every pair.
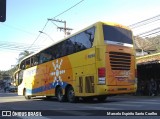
152,33
144,22
17,46
18,29
157,33
147,32
54,23
37,36
68,9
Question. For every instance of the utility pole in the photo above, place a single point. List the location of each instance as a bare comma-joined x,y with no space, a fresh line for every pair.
62,28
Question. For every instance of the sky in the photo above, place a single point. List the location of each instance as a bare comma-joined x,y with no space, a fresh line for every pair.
25,18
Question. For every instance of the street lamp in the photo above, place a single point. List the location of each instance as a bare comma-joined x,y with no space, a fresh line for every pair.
47,35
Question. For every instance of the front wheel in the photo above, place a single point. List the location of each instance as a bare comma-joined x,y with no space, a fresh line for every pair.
26,96
71,95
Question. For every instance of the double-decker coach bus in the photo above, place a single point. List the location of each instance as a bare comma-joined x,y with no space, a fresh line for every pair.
98,61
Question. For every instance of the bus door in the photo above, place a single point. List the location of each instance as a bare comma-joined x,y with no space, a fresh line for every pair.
18,77
19,81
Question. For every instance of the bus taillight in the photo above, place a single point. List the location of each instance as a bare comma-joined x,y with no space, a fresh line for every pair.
101,75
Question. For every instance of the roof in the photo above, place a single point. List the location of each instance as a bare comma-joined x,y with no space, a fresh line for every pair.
148,59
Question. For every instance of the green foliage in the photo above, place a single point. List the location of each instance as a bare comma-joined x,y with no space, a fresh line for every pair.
9,73
4,75
23,54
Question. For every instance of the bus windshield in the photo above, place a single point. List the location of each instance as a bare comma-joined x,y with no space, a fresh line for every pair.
116,34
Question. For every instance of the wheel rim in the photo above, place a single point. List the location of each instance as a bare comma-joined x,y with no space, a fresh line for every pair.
71,95
59,94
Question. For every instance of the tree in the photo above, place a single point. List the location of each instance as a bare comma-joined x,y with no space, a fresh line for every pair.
1,75
9,73
23,54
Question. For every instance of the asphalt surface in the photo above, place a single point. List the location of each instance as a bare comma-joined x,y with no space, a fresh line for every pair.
121,106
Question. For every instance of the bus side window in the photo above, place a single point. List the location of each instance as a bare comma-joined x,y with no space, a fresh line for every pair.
20,77
32,61
28,63
35,61
44,57
72,48
69,47
22,66
84,40
90,34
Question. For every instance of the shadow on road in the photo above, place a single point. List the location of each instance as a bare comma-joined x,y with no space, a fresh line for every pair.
79,101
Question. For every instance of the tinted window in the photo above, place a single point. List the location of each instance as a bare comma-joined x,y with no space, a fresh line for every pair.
22,65
28,63
79,42
117,34
85,39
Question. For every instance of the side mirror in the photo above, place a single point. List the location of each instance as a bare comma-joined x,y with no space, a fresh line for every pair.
2,10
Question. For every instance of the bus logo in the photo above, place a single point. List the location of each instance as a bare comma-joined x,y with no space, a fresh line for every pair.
57,72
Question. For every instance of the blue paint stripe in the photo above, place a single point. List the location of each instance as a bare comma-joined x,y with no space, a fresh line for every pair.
45,88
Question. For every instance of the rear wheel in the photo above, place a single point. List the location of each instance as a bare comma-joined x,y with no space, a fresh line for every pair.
60,96
71,95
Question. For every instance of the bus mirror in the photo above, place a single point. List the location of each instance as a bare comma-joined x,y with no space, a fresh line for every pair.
2,10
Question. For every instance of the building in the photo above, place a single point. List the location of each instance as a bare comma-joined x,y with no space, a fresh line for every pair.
148,67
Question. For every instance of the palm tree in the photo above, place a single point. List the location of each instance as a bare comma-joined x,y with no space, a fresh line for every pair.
23,55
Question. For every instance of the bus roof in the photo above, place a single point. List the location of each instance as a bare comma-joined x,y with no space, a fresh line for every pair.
95,24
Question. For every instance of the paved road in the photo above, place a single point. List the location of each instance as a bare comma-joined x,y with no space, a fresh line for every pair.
10,101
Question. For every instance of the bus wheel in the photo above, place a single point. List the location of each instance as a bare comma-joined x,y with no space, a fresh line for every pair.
101,98
60,96
71,95
26,96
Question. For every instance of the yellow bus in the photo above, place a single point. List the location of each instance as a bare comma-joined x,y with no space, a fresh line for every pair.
98,61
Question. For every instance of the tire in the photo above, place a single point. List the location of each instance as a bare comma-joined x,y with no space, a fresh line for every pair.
26,96
71,95
60,96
